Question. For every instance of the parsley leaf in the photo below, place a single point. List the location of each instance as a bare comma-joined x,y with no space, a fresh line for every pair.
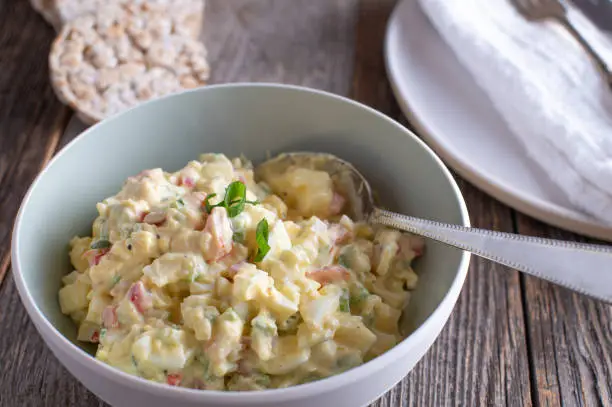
261,237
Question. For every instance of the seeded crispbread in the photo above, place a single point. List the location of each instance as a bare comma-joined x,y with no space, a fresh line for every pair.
122,55
188,13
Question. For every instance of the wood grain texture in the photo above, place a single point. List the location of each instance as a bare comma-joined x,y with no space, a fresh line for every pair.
31,118
302,42
370,84
480,359
31,375
570,337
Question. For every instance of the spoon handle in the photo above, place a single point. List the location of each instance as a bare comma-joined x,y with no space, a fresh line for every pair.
584,268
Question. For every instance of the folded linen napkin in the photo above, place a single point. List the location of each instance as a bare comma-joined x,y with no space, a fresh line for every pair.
545,87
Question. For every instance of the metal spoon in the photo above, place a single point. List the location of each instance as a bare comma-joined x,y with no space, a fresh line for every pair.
584,268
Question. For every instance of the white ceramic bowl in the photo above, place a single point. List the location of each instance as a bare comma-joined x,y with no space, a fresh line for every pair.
253,119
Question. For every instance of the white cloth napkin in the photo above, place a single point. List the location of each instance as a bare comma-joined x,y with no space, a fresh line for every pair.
545,87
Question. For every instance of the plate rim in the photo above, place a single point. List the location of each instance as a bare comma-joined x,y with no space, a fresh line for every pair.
544,211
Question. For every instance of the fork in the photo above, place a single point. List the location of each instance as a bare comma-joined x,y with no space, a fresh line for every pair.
539,10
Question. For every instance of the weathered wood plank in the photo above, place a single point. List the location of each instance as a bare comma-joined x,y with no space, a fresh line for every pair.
370,84
31,118
31,375
301,42
481,356
570,337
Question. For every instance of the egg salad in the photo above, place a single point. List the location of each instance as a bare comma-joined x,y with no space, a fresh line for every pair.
207,279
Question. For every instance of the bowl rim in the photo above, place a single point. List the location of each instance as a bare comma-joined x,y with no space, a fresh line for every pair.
49,332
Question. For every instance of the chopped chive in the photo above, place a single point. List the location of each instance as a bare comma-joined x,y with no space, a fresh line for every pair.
261,237
342,260
238,237
207,205
344,301
359,296
101,244
115,280
178,203
193,276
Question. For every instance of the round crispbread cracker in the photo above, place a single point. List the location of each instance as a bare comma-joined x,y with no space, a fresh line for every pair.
188,13
106,62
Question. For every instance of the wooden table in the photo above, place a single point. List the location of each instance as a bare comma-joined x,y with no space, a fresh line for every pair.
512,340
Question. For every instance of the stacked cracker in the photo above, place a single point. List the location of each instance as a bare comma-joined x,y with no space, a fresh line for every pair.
110,55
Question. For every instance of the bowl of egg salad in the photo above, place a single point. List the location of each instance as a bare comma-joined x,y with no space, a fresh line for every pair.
162,268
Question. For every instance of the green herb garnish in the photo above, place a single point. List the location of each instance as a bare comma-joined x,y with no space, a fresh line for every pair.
359,296
234,201
238,237
261,237
102,333
208,206
347,255
345,301
115,280
343,261
102,227
101,244
179,203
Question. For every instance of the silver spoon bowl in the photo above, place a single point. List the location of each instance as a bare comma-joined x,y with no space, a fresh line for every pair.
584,268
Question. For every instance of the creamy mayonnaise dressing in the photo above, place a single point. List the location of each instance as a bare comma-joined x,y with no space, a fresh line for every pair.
205,279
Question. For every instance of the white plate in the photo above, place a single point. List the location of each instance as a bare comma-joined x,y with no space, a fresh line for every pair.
456,119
